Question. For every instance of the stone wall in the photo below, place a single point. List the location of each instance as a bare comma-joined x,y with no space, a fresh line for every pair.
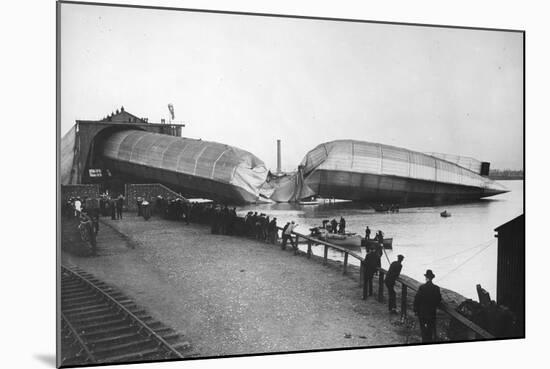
148,191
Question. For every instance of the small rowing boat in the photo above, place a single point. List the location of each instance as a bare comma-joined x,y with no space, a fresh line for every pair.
351,240
371,244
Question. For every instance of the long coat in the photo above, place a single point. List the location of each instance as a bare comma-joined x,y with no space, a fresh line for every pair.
393,272
427,300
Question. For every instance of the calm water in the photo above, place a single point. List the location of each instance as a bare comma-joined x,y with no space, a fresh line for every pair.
461,250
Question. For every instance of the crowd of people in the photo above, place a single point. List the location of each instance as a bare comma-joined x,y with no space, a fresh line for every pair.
334,226
225,221
260,226
221,218
87,213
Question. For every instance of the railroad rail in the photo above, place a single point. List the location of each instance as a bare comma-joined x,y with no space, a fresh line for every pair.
367,284
101,325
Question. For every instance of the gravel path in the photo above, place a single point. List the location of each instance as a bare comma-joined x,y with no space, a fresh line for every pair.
232,295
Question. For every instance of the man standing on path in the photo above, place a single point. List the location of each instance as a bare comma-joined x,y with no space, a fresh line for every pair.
112,207
287,235
119,205
391,276
77,207
371,266
284,236
426,301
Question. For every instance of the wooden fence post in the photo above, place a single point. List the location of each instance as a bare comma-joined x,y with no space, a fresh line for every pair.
296,245
370,286
326,255
365,282
361,272
345,263
380,286
403,301
308,249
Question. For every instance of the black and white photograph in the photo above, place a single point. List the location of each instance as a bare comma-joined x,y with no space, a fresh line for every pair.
235,184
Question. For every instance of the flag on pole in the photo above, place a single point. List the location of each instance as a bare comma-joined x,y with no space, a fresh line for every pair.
171,109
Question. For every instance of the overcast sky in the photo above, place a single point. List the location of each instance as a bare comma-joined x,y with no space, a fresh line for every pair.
247,81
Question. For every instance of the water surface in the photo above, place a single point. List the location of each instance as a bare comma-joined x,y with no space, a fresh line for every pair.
461,249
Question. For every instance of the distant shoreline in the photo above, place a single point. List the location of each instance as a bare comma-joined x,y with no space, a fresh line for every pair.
505,178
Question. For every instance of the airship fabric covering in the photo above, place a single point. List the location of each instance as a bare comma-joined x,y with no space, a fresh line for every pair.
210,160
379,159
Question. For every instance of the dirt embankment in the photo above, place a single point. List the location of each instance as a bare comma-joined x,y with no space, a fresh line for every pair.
233,295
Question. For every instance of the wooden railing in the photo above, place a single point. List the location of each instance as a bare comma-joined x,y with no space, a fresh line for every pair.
367,283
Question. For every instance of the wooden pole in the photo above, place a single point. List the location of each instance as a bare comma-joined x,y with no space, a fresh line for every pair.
365,282
370,286
380,286
308,249
326,255
345,263
361,272
403,301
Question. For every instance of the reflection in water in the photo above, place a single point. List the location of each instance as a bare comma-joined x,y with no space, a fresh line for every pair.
461,249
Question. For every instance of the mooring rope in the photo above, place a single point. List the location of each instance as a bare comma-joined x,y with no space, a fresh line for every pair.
467,260
483,244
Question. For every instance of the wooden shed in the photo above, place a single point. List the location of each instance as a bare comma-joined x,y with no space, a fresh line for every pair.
511,268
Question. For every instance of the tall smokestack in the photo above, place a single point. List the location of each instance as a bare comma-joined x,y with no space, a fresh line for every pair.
278,156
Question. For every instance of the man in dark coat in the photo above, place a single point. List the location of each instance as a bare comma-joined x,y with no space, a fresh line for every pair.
342,226
285,236
371,266
333,225
273,231
112,207
119,206
391,276
426,301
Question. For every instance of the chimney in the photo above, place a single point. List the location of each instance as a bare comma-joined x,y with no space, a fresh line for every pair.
278,156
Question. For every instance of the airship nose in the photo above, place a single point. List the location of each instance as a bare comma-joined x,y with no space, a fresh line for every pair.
495,189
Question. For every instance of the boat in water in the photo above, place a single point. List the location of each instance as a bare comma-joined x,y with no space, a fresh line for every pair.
348,240
387,243
445,214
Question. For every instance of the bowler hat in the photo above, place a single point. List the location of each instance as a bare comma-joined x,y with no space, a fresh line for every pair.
429,274
400,257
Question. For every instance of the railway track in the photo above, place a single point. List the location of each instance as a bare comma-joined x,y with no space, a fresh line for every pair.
101,325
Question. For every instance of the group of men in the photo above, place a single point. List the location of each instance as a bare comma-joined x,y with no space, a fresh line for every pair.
223,220
111,205
426,300
379,237
337,227
261,227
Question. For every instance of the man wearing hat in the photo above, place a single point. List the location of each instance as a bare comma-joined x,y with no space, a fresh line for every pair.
287,235
391,276
426,301
372,263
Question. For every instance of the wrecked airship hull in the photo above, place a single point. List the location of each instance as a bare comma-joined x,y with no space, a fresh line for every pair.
377,173
194,167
